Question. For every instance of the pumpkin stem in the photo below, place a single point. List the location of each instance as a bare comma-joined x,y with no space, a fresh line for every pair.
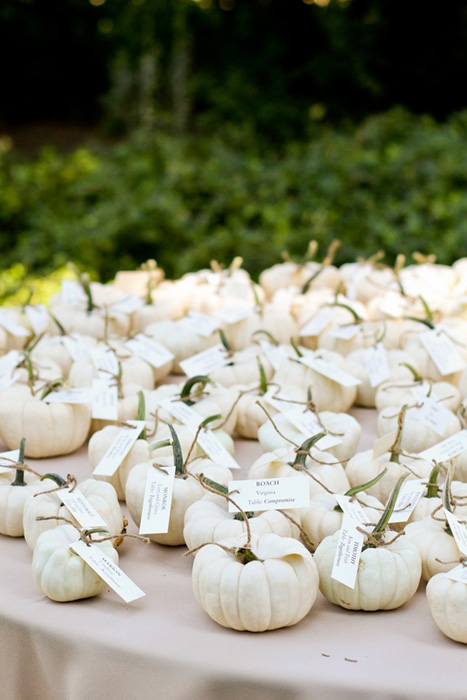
58,324
295,347
180,468
202,425
363,487
395,450
304,451
417,377
185,393
263,380
141,414
388,511
19,474
269,335
432,487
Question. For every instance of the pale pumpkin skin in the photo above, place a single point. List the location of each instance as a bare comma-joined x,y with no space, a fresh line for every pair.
187,490
387,577
50,429
277,591
437,548
208,520
60,573
101,496
447,600
416,436
13,500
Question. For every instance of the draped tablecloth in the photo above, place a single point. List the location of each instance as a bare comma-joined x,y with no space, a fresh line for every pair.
164,646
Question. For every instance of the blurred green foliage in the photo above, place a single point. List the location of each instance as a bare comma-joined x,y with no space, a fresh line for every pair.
396,182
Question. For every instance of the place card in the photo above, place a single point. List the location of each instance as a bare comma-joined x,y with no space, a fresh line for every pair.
38,317
80,508
352,508
75,346
154,353
106,363
422,390
447,449
377,365
383,444
9,362
345,332
330,371
270,493
361,272
458,529
459,573
8,461
233,314
348,550
104,400
110,572
442,351
409,495
393,304
276,354
157,500
205,361
72,292
119,448
309,425
73,395
199,323
433,414
215,450
317,322
13,327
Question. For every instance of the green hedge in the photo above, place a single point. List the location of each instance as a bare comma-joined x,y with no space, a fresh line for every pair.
396,182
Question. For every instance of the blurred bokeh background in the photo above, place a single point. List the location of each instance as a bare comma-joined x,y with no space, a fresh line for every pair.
192,130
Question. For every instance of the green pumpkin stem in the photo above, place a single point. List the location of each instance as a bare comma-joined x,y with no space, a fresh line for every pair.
388,511
363,487
395,449
295,347
263,380
432,487
141,414
416,376
269,335
19,474
303,451
180,469
201,379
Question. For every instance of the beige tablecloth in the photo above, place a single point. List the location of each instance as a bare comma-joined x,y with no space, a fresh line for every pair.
164,646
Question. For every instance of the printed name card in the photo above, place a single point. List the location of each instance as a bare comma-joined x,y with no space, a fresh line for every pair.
72,292
205,361
458,529
318,322
199,323
434,415
377,365
276,354
233,314
447,449
393,304
442,351
127,305
157,500
309,425
154,353
352,508
330,371
8,460
110,572
38,317
409,495
347,557
345,332
119,448
80,508
73,395
270,493
13,327
459,573
422,390
104,400
383,444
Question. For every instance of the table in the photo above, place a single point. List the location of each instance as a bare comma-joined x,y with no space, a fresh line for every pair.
164,646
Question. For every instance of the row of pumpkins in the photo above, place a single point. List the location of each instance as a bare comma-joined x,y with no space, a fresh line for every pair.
289,357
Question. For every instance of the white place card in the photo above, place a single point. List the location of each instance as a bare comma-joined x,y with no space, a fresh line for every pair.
422,390
119,448
459,573
352,508
205,361
9,362
330,371
409,495
393,304
38,317
154,353
433,415
215,450
110,572
104,400
233,314
270,493
73,395
377,365
383,444
8,460
442,351
127,305
72,292
199,323
80,508
13,327
348,550
75,346
361,272
182,412
458,529
309,425
276,354
105,361
345,332
157,500
318,322
447,449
